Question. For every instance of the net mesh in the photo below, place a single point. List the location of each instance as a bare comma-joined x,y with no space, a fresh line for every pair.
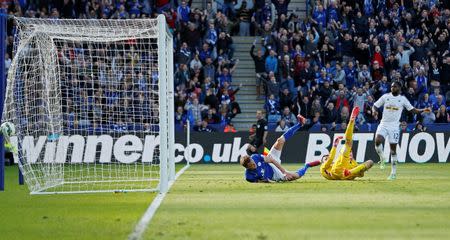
84,96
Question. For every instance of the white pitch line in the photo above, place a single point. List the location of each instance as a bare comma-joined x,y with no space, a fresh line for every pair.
151,210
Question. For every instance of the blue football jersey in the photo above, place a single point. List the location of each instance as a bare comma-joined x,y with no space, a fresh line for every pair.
262,172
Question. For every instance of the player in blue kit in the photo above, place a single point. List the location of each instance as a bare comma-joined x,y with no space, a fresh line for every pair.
260,168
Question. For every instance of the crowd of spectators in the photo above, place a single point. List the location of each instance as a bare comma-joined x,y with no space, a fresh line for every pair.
343,54
117,97
346,54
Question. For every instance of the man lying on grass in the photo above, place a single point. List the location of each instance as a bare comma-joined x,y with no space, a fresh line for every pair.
260,168
345,167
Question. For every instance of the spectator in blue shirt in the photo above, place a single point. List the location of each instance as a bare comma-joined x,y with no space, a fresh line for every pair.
272,62
425,102
183,12
211,35
350,75
332,12
422,81
320,17
205,53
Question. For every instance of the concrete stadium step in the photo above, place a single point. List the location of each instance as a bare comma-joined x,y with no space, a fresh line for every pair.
243,58
252,109
247,115
245,119
245,71
197,4
248,81
243,40
246,92
247,64
250,105
297,4
244,75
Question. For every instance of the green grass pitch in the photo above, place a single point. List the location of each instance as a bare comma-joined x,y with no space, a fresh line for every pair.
214,202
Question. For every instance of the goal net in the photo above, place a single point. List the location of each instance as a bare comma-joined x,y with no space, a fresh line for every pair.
92,102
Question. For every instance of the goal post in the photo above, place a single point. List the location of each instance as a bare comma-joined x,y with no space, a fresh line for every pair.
93,105
3,20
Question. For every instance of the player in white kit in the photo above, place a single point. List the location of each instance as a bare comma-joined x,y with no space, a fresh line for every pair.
389,126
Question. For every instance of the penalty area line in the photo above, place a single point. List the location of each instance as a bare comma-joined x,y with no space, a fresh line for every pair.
143,223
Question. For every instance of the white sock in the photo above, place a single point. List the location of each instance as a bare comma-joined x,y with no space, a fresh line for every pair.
379,150
394,163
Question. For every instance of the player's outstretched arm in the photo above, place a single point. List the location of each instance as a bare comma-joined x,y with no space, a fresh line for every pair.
330,159
419,111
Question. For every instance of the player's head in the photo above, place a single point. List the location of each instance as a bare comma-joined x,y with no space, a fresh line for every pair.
259,114
247,162
395,88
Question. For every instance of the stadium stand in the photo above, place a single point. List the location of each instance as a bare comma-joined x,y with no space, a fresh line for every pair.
320,59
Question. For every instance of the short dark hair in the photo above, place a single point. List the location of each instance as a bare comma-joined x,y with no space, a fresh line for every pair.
245,160
397,83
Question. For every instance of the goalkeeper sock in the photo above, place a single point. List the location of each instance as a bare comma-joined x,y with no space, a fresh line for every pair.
394,164
291,131
349,131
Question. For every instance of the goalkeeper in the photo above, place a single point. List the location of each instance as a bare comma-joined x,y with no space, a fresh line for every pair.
260,168
345,168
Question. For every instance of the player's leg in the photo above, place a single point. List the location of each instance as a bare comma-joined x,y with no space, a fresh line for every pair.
343,161
337,170
394,162
277,147
292,176
379,140
359,170
292,130
394,136
303,170
350,127
275,151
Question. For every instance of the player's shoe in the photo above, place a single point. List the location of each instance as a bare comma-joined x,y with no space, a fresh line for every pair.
368,165
355,113
301,119
382,163
393,176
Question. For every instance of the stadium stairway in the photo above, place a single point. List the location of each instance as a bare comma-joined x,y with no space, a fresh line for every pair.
198,4
298,6
245,75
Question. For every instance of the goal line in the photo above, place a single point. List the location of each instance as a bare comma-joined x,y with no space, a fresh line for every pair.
143,223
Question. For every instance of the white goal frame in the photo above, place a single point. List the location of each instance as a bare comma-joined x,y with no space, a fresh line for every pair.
166,119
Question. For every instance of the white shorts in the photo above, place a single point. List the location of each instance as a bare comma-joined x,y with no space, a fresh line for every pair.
392,132
277,174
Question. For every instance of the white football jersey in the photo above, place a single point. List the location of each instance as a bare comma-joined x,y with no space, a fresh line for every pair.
393,107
